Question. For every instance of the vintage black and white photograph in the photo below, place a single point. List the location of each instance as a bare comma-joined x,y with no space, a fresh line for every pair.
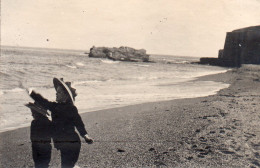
136,83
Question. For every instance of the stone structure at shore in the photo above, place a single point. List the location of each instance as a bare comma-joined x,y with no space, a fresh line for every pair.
242,46
120,54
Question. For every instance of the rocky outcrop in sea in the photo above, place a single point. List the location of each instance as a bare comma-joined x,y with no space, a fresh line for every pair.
119,54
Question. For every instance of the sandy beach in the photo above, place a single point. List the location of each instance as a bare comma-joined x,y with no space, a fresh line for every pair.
221,130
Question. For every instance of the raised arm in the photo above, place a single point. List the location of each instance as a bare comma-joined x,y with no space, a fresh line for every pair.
42,101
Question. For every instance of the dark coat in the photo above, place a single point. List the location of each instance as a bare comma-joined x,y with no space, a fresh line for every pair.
41,130
65,118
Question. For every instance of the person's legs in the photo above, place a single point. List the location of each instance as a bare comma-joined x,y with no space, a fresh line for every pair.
41,154
69,154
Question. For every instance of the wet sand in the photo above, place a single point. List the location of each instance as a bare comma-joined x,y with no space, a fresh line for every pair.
221,130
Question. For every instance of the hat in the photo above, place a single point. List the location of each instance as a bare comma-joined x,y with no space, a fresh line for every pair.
36,108
66,86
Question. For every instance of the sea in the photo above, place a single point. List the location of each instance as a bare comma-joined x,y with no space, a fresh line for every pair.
100,83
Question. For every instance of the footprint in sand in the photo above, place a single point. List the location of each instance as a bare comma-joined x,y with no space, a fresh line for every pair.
222,131
190,158
233,127
159,163
227,152
255,162
171,149
212,132
257,155
223,114
151,149
202,151
120,150
202,139
201,156
256,146
194,146
212,140
249,135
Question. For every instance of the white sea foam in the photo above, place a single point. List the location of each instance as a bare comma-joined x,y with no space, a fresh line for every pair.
80,64
70,66
142,65
13,90
211,73
182,62
107,61
76,83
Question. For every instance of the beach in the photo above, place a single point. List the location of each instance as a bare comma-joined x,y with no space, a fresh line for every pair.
100,83
220,130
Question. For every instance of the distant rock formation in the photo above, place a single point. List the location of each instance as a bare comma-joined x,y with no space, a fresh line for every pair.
242,46
120,54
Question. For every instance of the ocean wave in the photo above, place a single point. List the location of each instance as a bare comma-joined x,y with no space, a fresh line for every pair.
87,82
16,90
211,73
80,64
182,62
142,65
140,78
178,62
19,63
137,78
44,87
3,74
147,78
107,61
71,66
11,90
19,72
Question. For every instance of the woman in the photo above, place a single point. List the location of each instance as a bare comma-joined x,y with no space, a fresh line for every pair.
65,118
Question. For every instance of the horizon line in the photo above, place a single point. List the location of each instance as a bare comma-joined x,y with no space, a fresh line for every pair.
42,48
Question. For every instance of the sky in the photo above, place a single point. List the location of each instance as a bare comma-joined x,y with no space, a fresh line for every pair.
170,27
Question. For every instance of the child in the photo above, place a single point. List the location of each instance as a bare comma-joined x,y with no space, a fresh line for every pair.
65,118
40,136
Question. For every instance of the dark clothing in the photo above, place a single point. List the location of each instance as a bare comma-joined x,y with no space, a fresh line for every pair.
41,141
69,153
41,154
65,118
41,130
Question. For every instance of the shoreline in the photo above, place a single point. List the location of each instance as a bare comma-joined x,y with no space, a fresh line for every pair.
221,132
96,109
